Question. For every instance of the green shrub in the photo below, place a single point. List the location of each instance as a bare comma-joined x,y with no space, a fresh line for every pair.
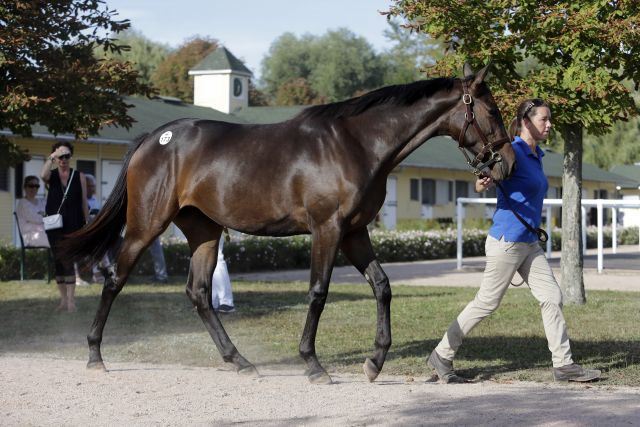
249,253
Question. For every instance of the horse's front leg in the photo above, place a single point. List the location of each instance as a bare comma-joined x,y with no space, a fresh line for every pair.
357,248
324,246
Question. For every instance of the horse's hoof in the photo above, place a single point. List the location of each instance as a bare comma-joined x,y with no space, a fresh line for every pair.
248,371
370,370
97,366
320,378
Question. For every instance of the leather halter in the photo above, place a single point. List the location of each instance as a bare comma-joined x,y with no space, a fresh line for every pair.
476,163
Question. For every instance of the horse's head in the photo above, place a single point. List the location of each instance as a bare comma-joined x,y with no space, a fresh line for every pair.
480,129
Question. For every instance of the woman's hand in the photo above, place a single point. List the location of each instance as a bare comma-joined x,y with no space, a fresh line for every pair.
483,183
60,151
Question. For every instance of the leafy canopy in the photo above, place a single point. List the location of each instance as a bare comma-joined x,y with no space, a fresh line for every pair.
332,67
583,51
171,77
49,74
143,54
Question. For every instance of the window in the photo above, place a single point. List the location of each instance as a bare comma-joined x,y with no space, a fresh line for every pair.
451,191
428,191
442,192
414,189
86,166
462,189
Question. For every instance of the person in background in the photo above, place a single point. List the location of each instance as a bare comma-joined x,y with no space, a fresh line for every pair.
58,175
221,293
159,264
511,246
94,207
92,201
30,211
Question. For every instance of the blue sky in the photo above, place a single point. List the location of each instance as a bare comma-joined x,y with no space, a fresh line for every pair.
248,27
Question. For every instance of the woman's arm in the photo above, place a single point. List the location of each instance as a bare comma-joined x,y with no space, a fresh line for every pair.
26,214
45,173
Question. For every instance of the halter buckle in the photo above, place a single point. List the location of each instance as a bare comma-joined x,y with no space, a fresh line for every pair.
466,99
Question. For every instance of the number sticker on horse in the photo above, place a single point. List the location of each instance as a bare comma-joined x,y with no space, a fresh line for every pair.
165,138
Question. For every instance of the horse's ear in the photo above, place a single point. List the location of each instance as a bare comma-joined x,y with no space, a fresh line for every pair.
468,72
482,74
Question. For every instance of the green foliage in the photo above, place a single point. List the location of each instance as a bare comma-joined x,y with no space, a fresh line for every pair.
297,91
49,75
618,147
410,53
335,65
257,98
271,253
171,77
585,50
142,53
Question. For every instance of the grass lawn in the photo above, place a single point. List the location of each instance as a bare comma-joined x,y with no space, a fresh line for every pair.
156,324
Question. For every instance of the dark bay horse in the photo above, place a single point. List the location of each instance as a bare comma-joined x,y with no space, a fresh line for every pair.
322,173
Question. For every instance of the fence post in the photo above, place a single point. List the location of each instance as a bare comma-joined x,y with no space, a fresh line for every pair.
614,229
549,232
600,234
460,215
584,230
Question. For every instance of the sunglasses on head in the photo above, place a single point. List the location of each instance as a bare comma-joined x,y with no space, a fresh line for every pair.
33,185
64,157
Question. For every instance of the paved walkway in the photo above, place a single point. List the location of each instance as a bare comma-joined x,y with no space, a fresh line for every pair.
621,271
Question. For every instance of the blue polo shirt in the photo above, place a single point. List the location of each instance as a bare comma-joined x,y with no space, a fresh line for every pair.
526,188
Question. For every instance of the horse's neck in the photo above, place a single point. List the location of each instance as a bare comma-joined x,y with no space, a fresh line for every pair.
406,128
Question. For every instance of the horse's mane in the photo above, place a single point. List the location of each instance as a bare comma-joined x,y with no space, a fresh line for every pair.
405,94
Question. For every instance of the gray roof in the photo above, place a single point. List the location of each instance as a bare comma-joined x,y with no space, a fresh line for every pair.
268,114
221,59
442,152
631,172
148,114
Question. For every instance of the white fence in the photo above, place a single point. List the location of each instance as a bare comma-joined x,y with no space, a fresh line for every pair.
600,204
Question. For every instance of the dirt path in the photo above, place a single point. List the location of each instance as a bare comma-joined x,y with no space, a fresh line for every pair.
41,391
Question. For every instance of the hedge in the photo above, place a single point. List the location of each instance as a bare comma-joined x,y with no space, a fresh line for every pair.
248,253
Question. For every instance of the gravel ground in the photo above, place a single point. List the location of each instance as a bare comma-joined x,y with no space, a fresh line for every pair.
44,391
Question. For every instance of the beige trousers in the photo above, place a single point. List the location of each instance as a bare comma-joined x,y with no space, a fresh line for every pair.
503,260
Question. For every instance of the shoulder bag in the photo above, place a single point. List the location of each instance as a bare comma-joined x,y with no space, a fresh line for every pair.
53,222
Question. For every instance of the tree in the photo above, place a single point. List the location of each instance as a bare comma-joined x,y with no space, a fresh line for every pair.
142,53
297,91
336,65
257,98
586,50
171,77
410,53
49,75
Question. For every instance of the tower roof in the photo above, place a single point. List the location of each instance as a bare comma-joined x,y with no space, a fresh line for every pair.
218,60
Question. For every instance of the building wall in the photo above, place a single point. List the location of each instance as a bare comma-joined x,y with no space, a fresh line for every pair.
445,205
212,90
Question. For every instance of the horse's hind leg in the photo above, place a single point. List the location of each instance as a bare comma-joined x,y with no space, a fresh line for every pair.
203,236
132,246
357,248
323,252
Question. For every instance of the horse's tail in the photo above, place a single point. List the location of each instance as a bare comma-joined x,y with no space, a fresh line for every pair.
93,241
